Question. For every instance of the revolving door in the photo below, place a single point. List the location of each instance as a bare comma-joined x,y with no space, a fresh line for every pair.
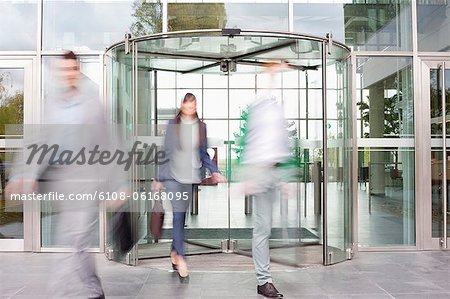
145,80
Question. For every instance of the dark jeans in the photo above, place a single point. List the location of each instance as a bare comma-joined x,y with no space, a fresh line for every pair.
180,199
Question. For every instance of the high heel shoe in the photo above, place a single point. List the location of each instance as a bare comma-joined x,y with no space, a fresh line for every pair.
182,270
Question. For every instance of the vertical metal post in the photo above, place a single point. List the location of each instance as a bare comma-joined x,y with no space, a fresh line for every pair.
306,170
326,260
131,258
444,157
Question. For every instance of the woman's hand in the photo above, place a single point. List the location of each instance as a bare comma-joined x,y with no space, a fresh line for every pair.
218,178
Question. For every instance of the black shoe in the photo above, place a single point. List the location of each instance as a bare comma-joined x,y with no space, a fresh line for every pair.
268,290
184,279
102,296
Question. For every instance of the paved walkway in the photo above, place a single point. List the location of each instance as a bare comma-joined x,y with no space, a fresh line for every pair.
369,275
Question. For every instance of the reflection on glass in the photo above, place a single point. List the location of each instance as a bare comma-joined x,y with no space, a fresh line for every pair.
436,191
436,102
437,154
339,157
11,99
386,200
386,98
372,26
433,26
11,213
386,171
18,25
94,25
89,68
267,16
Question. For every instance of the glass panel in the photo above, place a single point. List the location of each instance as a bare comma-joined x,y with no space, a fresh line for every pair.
11,212
91,77
166,79
436,192
215,81
217,47
207,225
339,158
386,197
296,211
19,23
95,25
437,155
242,81
436,102
215,104
11,129
167,106
120,109
433,25
386,99
386,171
11,99
367,25
267,16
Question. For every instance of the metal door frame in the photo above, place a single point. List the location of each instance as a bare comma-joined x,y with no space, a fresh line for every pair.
31,111
425,205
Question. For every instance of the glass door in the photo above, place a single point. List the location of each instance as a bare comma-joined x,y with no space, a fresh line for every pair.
310,225
15,110
438,95
296,211
337,157
119,93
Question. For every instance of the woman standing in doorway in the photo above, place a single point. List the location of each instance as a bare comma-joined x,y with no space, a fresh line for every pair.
185,147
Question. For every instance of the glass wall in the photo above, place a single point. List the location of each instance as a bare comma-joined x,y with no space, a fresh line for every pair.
11,113
385,151
90,69
433,25
88,27
94,25
267,16
365,25
12,81
18,25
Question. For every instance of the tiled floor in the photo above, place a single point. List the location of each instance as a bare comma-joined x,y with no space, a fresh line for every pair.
369,275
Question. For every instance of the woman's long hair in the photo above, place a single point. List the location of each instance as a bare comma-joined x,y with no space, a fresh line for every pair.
189,97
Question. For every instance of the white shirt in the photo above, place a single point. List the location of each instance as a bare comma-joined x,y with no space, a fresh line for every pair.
186,158
267,139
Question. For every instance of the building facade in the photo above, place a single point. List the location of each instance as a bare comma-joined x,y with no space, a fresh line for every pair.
400,88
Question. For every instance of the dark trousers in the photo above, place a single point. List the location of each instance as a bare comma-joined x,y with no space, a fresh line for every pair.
181,195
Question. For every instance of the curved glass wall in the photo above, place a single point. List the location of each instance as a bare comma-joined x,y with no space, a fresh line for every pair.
145,82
